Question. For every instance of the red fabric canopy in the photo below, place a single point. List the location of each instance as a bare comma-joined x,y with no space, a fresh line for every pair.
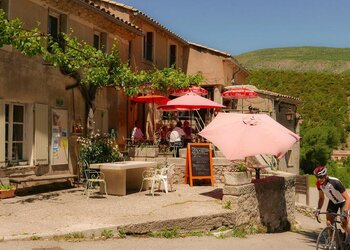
157,99
239,93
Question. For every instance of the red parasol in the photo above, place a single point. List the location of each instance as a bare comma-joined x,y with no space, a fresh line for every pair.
194,89
154,99
239,93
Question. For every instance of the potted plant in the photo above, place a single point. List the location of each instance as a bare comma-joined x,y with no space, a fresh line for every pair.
7,191
241,175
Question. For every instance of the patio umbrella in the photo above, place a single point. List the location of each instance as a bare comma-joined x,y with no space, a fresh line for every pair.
193,101
194,89
242,135
239,93
154,99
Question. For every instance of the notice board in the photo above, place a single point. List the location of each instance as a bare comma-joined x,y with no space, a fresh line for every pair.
199,163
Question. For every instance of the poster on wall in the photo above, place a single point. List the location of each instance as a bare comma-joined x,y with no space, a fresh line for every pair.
59,140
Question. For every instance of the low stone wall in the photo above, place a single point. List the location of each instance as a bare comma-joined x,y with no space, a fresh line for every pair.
220,164
268,202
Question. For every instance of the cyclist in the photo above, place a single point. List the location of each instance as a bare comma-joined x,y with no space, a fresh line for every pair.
337,195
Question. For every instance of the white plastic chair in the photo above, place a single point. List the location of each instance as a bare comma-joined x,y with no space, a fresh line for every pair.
92,177
164,175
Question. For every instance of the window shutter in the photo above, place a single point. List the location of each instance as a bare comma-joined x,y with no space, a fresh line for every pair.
2,133
104,37
63,23
41,134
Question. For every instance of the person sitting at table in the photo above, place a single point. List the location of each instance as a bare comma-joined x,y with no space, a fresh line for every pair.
137,134
188,133
176,136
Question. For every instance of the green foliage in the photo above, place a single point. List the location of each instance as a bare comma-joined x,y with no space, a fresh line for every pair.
107,233
239,232
6,187
98,148
166,233
228,205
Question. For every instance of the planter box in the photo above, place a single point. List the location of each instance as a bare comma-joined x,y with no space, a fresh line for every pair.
143,151
4,194
237,178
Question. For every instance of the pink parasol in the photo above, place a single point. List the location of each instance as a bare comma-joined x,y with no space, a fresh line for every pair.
193,101
194,89
242,135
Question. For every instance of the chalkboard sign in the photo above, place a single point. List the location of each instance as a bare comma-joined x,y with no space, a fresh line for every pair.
199,162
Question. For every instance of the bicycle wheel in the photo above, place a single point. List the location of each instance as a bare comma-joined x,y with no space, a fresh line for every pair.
326,240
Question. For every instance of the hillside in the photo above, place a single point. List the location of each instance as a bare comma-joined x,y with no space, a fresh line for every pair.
300,59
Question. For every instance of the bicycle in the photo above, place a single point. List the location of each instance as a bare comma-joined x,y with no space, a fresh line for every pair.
331,237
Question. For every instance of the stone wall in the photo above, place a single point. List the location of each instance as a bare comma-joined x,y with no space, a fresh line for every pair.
268,202
220,164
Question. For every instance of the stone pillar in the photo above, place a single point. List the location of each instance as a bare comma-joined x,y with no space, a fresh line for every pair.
268,202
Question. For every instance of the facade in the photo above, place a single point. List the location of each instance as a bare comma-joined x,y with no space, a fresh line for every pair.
37,111
39,108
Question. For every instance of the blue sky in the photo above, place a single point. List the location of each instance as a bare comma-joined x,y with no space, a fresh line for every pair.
241,26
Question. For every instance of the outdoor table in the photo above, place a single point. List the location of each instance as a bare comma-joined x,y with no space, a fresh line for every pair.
122,176
257,170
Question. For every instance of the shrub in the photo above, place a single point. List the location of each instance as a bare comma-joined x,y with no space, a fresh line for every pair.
98,148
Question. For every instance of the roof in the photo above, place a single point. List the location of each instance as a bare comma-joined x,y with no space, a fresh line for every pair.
147,19
95,7
228,56
267,93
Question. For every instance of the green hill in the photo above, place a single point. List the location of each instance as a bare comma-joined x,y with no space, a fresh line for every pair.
301,59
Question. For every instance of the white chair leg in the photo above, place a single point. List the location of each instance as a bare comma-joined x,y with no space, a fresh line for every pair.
105,184
152,187
165,182
141,186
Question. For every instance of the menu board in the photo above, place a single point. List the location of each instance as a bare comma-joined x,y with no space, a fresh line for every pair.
199,163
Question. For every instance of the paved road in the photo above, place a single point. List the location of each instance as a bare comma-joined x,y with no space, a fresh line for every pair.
304,239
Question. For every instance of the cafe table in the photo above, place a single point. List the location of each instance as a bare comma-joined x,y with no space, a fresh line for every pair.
257,168
123,176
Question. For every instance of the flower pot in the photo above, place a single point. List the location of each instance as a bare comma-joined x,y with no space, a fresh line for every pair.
4,194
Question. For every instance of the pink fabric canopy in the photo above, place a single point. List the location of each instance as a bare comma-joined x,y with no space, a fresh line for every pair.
242,135
193,101
194,89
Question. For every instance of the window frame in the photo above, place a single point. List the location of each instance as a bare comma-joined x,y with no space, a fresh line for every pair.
148,46
9,122
172,61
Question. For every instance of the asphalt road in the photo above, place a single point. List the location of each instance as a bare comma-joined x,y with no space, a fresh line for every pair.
305,238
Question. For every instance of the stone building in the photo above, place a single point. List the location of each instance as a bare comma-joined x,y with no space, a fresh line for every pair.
38,106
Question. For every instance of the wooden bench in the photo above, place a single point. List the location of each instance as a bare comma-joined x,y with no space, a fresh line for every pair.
302,187
35,178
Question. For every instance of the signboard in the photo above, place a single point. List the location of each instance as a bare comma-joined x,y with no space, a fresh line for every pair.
59,139
199,163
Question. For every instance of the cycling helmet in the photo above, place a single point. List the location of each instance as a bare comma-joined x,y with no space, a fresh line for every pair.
320,171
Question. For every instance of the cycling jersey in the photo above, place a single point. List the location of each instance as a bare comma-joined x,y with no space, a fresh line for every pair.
333,189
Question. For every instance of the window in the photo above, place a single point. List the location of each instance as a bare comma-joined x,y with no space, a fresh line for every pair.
100,41
172,55
57,24
14,132
148,47
97,40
